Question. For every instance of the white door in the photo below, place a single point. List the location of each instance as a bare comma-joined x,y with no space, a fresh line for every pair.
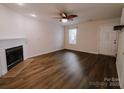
108,41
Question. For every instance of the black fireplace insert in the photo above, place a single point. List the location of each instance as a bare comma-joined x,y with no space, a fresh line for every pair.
14,56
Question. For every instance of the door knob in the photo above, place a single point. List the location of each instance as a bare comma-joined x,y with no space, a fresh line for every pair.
114,41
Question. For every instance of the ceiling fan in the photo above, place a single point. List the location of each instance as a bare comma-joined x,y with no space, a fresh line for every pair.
64,17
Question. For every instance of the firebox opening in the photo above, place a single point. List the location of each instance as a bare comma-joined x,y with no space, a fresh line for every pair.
14,56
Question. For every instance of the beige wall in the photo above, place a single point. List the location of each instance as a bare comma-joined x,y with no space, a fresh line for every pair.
42,37
120,54
88,35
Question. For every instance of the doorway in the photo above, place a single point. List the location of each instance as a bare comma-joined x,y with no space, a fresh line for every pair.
108,40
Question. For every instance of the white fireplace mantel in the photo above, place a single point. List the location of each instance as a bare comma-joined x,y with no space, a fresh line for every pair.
9,43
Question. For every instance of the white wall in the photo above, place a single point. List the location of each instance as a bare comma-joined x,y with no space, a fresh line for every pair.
88,35
120,54
42,37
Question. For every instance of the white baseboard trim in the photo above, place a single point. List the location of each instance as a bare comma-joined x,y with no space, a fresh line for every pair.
45,53
81,51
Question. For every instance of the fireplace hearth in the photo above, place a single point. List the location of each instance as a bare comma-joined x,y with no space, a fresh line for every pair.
14,56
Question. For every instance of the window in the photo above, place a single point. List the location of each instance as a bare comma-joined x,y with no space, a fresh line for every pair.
72,35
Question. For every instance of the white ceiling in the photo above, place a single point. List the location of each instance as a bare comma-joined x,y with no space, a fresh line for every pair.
85,11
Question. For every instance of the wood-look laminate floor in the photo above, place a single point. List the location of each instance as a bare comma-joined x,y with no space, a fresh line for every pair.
66,69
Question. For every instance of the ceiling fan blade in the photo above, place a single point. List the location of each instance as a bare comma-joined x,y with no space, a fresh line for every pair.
71,16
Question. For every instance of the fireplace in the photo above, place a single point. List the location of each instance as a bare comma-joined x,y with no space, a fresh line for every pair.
14,56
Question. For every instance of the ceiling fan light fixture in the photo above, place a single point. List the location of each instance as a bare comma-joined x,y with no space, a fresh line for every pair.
64,20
